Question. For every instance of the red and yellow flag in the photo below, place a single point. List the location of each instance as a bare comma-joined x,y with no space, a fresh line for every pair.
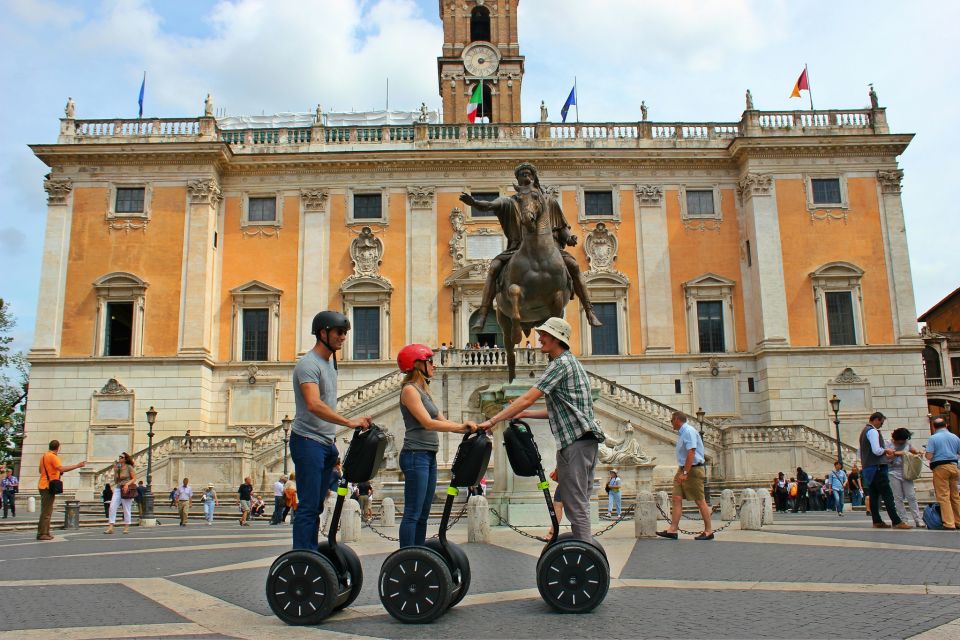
802,84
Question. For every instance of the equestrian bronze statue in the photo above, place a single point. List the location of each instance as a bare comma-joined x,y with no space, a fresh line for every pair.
534,278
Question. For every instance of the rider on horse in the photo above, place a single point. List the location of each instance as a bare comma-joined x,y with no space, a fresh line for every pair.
507,211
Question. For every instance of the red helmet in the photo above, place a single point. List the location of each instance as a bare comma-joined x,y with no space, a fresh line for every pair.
410,354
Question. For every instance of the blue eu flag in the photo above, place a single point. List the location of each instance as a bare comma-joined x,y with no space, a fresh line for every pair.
571,100
140,100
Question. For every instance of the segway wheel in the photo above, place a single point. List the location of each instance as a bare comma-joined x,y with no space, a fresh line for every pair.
569,536
302,587
415,585
459,569
354,574
573,577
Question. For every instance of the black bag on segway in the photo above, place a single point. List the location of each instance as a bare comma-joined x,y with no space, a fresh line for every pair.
365,454
470,463
522,451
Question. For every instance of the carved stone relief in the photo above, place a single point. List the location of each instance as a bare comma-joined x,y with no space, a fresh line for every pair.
849,376
205,191
890,181
601,249
458,243
754,185
314,200
421,197
649,195
366,251
58,190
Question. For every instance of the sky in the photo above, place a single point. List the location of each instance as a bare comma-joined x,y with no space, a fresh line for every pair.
690,60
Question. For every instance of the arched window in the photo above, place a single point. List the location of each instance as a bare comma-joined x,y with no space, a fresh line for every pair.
931,367
480,24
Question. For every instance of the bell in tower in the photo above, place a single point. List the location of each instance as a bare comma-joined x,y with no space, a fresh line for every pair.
480,50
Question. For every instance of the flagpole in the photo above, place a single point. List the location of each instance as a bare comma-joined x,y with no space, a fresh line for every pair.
809,91
576,98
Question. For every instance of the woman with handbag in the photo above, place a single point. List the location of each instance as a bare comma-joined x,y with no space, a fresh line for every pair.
905,467
125,483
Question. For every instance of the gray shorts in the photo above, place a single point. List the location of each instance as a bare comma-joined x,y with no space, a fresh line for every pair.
244,505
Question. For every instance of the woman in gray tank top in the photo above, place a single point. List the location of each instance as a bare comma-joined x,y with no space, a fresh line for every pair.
418,457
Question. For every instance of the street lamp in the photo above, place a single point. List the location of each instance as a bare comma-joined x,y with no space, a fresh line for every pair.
946,411
286,439
835,405
706,477
148,517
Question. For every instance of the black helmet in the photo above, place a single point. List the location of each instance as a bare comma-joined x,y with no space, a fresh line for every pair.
329,320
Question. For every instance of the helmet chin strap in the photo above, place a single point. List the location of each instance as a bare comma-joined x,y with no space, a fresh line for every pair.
327,345
423,371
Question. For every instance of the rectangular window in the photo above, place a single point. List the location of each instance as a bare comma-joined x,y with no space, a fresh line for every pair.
598,203
129,200
367,206
710,326
486,196
700,203
840,318
366,333
751,386
604,338
262,210
256,327
118,340
826,190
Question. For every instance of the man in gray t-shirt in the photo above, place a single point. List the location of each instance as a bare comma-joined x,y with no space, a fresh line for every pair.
314,428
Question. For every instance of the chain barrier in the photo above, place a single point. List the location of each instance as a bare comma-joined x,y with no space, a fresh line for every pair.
715,509
596,534
368,523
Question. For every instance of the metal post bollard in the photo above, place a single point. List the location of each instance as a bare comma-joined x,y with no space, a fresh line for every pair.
71,514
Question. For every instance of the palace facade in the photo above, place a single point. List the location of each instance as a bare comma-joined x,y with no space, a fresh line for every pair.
752,268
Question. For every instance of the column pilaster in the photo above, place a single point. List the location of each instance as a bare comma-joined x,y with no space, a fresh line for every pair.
197,303
900,280
422,265
656,301
53,274
314,290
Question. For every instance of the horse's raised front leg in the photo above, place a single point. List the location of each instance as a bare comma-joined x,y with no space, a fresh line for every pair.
515,293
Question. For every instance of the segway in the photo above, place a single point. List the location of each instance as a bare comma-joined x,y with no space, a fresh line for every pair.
573,575
303,586
418,584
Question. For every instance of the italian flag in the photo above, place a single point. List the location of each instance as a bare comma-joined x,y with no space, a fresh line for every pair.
474,103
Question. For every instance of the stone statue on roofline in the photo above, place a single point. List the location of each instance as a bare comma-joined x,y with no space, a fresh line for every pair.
318,116
874,100
543,111
208,107
749,100
424,114
643,110
70,110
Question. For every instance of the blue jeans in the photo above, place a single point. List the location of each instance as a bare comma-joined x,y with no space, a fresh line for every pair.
613,500
208,506
838,500
313,463
420,484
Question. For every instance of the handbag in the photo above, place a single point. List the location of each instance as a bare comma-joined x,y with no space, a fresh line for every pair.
128,491
912,467
55,487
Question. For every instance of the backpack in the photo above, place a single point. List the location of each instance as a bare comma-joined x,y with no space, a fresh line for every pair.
365,454
931,517
522,451
793,491
471,461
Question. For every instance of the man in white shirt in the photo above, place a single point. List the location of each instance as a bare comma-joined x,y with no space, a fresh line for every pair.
182,498
278,500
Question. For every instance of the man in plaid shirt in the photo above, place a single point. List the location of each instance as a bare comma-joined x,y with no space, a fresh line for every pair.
566,391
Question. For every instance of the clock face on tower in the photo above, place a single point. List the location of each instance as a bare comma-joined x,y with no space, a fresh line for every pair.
481,59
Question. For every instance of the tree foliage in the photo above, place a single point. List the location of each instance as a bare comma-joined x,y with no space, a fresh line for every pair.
13,389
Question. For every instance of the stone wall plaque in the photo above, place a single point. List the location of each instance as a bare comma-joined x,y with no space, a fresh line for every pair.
107,445
118,410
252,404
717,395
484,247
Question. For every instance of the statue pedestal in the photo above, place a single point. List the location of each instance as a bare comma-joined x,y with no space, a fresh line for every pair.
642,477
515,498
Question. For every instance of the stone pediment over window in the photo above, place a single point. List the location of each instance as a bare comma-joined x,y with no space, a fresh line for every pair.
256,291
120,284
356,284
834,271
613,279
708,283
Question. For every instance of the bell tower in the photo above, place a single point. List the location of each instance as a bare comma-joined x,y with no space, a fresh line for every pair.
480,47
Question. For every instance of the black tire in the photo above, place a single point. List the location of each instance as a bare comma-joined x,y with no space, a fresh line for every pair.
569,536
302,587
355,571
415,585
459,566
573,576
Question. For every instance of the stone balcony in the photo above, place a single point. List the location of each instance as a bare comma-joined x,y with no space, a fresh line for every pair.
601,135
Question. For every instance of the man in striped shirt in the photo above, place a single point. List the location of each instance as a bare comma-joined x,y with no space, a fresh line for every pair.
565,388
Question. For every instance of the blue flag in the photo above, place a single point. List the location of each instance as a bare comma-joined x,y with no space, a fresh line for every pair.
571,100
140,100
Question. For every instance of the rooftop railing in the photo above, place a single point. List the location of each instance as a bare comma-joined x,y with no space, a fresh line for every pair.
544,134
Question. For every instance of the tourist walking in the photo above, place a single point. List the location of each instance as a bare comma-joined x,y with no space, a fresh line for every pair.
838,482
278,502
315,423
943,451
876,473
290,498
124,491
141,500
245,492
566,389
903,490
801,502
614,484
50,486
107,496
365,497
11,485
422,421
689,480
780,493
855,483
183,497
210,502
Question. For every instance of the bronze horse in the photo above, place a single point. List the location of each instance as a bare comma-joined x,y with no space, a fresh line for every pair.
535,284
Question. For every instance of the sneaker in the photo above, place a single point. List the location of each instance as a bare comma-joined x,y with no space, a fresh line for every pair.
840,513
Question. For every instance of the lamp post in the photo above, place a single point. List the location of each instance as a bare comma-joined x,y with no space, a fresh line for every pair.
946,412
286,439
835,405
706,477
148,518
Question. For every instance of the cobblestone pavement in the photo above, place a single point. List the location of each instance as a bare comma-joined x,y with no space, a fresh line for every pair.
806,576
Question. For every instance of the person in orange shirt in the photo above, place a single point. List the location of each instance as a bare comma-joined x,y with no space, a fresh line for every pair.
51,469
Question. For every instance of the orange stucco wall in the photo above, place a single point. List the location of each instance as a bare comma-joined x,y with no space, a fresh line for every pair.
694,253
154,254
808,245
270,260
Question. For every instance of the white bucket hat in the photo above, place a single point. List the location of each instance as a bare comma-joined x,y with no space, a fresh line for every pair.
558,328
